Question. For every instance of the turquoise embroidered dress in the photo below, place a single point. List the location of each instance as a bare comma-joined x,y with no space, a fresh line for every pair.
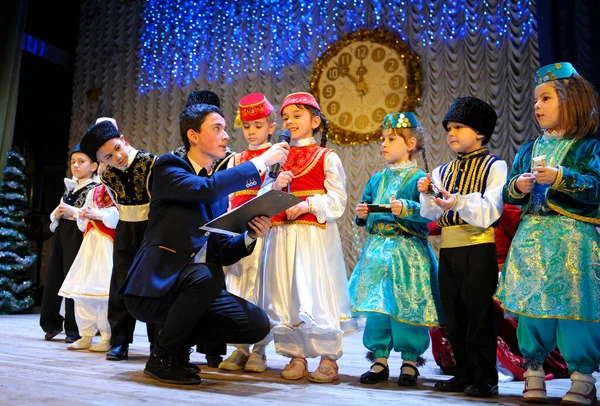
397,271
553,266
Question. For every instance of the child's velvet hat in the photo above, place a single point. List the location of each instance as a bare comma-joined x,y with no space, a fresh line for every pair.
299,98
554,71
402,119
254,106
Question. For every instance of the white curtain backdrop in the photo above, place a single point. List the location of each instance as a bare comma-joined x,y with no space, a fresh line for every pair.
108,76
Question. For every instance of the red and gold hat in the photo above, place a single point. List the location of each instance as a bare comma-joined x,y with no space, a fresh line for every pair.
254,106
299,98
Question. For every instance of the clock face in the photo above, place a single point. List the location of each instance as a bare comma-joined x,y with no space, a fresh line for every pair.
360,79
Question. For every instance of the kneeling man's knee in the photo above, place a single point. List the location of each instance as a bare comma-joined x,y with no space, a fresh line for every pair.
260,325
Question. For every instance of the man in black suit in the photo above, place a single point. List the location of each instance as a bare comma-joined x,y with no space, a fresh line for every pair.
177,278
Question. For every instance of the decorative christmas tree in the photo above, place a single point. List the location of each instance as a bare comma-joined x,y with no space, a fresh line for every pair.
16,256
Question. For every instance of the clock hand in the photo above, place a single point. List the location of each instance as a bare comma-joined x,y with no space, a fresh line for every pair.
361,85
361,70
345,71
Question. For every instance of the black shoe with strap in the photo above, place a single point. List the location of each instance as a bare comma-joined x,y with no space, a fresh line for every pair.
166,368
118,353
408,379
456,384
371,377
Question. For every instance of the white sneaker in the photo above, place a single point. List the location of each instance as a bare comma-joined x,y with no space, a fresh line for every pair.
82,344
582,392
235,362
257,362
102,346
535,386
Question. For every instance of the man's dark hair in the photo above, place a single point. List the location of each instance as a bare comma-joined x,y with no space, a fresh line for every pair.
192,118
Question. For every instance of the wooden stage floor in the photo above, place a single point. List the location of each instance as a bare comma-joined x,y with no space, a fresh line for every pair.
36,372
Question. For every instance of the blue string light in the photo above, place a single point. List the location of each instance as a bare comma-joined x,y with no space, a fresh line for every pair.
225,39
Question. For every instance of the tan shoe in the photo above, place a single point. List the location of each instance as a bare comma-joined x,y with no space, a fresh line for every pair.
235,362
82,344
102,346
257,362
535,387
296,369
582,392
327,372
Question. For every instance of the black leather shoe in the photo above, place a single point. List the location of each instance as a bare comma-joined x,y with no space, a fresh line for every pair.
184,361
455,384
166,368
51,334
408,379
370,377
118,353
481,390
71,338
213,361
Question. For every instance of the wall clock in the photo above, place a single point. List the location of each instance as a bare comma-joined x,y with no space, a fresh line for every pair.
361,78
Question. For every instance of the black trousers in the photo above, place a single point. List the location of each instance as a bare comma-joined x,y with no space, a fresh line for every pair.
468,278
199,310
67,240
128,238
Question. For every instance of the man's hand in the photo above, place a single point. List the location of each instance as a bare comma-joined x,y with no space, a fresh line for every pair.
259,227
525,182
276,154
296,211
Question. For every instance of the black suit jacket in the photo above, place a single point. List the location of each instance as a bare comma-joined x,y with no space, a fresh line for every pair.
181,203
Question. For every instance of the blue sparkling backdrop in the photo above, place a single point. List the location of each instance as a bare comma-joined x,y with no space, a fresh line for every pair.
184,39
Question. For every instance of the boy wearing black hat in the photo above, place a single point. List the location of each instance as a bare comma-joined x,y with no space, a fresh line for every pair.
465,197
67,240
128,176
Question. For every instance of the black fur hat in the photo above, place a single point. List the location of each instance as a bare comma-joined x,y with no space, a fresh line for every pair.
96,136
474,113
203,97
77,148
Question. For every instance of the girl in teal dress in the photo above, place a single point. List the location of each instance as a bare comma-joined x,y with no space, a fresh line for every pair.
395,281
552,272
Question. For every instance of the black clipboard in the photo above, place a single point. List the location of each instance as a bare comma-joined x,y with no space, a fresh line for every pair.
235,222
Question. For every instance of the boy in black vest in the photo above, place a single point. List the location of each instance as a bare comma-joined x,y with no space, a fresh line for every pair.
67,240
128,177
465,197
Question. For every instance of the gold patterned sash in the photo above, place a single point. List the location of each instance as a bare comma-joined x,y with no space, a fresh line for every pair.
465,235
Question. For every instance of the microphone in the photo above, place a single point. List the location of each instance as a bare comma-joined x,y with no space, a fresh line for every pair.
284,136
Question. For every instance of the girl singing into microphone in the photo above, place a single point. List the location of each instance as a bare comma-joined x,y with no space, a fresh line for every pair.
302,278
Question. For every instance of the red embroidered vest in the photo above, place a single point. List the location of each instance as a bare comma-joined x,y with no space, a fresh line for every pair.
308,166
100,200
242,196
